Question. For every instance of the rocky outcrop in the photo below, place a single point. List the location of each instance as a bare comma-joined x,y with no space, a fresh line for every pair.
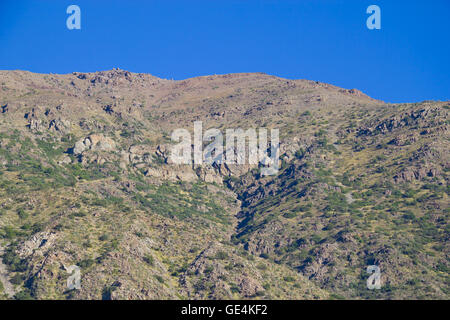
36,125
65,160
172,173
59,126
94,142
411,174
209,271
408,119
38,242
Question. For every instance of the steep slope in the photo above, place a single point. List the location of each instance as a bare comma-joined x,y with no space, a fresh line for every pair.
85,179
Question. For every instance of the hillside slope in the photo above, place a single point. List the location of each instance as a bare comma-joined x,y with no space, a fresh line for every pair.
85,179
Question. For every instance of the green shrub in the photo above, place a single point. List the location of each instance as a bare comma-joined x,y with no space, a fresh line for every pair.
21,213
289,279
148,259
86,263
24,295
221,255
264,255
159,278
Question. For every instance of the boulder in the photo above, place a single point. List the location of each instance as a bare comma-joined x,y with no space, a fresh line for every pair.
96,142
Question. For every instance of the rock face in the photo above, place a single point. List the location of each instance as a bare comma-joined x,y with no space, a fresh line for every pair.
211,269
60,126
65,160
38,243
421,117
410,174
36,125
181,173
95,142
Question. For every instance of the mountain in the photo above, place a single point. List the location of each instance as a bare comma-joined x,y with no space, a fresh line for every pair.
86,180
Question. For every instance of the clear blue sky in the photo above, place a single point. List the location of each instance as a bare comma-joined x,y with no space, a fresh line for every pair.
325,40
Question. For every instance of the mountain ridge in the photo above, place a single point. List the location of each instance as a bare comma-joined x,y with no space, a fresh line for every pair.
86,179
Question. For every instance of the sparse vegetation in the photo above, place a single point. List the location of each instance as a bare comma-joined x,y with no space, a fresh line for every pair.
86,179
